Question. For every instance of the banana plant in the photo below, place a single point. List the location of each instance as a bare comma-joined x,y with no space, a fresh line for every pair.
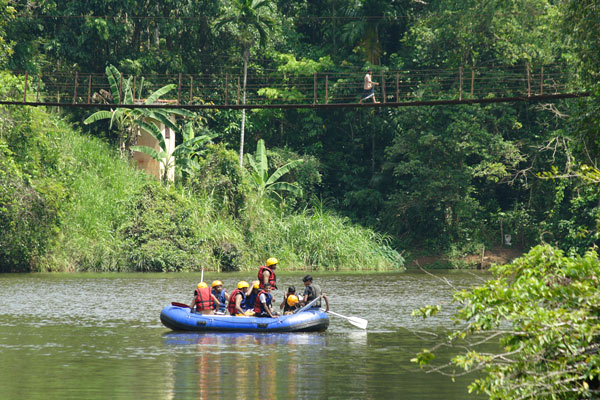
265,183
128,121
185,154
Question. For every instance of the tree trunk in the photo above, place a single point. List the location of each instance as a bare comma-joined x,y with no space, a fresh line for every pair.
246,56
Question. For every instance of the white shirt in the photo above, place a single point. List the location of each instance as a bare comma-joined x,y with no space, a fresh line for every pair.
368,82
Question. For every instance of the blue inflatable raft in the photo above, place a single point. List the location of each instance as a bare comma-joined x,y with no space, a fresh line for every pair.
182,319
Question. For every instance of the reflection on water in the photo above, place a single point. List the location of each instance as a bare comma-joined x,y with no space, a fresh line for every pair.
247,365
99,336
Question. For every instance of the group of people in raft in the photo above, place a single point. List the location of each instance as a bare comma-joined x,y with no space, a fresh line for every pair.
255,300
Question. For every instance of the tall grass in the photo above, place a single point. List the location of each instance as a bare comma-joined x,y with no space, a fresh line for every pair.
103,229
100,185
317,239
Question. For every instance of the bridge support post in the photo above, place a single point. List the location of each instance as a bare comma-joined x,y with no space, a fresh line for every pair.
383,85
472,82
226,86
528,80
397,87
179,89
542,82
460,77
25,88
37,92
75,88
315,88
326,88
121,89
191,90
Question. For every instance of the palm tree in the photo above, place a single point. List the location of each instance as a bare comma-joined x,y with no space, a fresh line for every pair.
249,17
260,173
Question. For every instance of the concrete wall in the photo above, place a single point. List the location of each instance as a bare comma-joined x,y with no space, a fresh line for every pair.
147,163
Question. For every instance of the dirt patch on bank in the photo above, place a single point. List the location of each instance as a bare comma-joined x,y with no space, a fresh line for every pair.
498,255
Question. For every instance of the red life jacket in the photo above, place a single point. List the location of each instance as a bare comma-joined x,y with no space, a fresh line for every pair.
272,277
202,299
231,306
258,306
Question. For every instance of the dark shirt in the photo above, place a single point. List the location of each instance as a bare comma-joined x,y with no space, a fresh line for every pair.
312,291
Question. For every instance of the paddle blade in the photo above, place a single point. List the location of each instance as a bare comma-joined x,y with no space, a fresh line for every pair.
176,304
358,322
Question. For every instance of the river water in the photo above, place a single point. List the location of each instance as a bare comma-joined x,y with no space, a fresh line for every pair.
84,336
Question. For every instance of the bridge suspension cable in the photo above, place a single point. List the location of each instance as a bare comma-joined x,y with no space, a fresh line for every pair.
397,88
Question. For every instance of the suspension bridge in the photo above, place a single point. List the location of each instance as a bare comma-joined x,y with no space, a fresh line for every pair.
286,90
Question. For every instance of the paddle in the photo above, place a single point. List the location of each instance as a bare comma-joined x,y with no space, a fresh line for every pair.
358,322
308,305
176,304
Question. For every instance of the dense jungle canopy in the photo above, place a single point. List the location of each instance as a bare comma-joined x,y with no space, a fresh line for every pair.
450,180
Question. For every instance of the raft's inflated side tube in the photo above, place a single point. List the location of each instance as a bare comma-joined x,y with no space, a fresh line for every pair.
182,319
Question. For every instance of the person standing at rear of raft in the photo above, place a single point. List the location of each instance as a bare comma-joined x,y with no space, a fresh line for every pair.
266,273
312,291
368,87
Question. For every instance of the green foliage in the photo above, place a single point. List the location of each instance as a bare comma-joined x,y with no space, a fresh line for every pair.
30,210
474,33
100,185
162,232
440,161
305,175
221,178
318,239
8,12
270,184
544,310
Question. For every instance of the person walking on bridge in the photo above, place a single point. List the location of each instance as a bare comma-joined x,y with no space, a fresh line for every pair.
368,87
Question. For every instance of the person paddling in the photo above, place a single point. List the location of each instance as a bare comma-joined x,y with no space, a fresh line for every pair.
262,307
266,273
204,300
237,300
312,291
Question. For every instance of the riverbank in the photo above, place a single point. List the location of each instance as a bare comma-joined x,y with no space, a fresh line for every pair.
488,257
70,203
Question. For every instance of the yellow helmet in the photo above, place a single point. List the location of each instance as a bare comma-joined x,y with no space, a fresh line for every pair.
256,284
216,283
202,285
271,261
242,285
292,300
